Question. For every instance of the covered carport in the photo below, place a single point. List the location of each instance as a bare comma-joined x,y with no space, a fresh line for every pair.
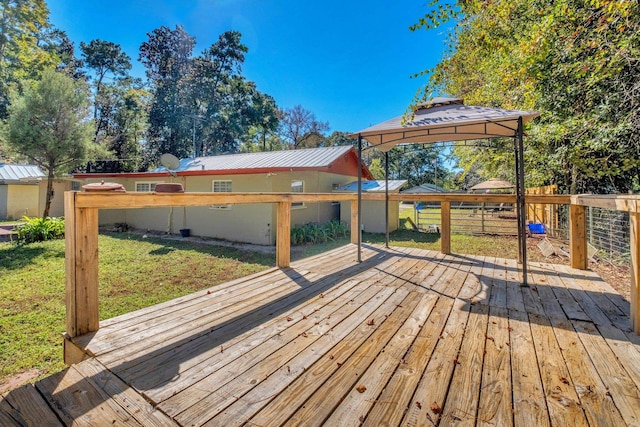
450,120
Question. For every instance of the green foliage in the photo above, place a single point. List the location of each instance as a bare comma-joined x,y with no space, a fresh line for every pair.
23,49
48,125
40,229
576,62
315,233
203,100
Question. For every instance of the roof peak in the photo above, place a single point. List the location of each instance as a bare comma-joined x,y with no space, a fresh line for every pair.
438,101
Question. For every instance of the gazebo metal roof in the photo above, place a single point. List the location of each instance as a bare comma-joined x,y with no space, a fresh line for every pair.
448,119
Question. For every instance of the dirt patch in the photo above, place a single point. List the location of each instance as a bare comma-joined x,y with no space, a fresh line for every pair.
618,276
17,380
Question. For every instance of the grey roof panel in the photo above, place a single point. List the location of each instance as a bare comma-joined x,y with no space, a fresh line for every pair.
17,173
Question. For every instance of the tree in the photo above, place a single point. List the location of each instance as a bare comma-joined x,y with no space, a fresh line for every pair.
576,62
123,107
201,105
167,57
265,123
301,129
103,57
49,125
22,56
59,45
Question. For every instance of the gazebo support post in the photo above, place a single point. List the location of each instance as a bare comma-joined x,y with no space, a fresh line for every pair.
386,199
522,234
359,198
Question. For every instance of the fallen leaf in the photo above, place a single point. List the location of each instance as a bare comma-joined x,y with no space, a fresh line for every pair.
419,405
435,408
371,322
304,334
361,388
455,362
289,319
564,380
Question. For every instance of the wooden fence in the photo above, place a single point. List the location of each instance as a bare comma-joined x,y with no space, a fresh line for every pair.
81,215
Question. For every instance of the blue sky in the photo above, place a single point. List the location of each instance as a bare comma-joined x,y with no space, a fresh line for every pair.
348,61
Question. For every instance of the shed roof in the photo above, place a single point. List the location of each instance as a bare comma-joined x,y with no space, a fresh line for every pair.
10,173
424,188
374,186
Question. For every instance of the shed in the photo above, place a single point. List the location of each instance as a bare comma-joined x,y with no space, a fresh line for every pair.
19,190
372,219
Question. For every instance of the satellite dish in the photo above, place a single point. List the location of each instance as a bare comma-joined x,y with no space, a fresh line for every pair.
169,161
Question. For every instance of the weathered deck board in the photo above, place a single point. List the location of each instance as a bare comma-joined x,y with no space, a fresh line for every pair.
406,337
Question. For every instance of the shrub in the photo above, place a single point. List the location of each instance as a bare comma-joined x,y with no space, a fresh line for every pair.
315,233
40,229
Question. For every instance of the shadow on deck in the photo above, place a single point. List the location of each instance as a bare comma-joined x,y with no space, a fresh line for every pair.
408,336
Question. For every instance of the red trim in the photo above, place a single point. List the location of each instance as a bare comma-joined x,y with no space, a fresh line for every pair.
344,165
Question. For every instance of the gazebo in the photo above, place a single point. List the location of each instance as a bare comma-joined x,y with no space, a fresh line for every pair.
449,119
493,184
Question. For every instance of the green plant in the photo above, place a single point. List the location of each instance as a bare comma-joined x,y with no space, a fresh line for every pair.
315,233
40,229
336,229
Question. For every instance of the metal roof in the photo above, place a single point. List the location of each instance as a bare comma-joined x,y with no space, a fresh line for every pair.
374,186
304,158
424,188
20,173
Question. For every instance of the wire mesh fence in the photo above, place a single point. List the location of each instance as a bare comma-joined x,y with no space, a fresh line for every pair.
607,230
469,218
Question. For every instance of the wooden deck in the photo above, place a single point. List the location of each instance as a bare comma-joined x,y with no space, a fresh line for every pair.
407,337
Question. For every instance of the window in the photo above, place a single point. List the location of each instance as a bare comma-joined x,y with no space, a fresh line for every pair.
221,187
146,187
297,187
75,186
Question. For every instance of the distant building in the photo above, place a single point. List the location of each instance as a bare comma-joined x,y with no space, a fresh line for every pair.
23,190
424,188
373,218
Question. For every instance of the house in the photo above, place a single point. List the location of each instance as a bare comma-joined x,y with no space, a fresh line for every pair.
315,170
373,219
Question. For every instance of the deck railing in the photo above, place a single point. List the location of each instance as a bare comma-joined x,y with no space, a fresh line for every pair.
81,215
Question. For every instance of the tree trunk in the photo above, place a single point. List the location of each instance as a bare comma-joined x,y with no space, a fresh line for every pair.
47,203
574,180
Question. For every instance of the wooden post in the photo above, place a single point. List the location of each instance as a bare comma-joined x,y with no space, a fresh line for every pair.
445,227
81,267
355,227
578,236
283,236
634,231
